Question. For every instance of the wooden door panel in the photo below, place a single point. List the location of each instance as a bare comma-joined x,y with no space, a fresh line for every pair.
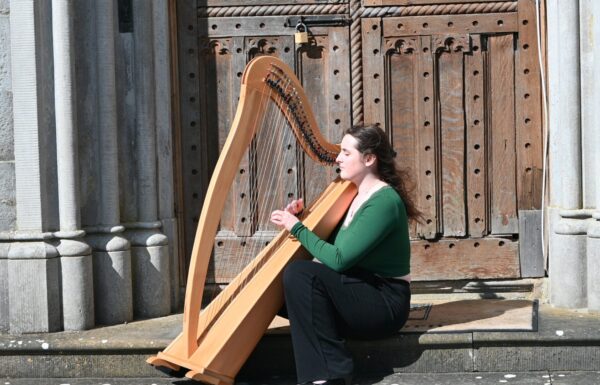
502,170
450,68
528,110
462,119
464,259
427,197
489,23
476,146
402,62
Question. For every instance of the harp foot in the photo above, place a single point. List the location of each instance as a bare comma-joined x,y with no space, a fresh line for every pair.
208,379
167,367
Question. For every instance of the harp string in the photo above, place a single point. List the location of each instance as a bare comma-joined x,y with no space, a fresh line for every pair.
263,200
214,308
276,132
270,161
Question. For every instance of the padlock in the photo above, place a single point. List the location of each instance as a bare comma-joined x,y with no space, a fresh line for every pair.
301,35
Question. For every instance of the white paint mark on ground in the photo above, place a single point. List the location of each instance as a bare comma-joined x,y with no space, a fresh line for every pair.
104,341
45,346
510,375
560,333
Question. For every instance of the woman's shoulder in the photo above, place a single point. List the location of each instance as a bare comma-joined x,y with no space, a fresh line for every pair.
386,195
388,199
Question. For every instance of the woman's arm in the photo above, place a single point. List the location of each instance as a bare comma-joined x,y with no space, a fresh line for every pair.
373,223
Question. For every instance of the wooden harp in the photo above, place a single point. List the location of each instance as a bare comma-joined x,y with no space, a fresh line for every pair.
216,341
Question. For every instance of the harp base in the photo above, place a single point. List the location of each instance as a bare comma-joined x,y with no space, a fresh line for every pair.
166,367
208,378
174,370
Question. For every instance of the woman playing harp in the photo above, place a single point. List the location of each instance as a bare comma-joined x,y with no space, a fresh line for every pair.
361,287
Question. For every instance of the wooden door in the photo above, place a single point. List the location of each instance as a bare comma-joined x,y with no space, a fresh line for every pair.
456,86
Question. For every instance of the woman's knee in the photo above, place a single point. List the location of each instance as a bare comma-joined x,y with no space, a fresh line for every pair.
296,270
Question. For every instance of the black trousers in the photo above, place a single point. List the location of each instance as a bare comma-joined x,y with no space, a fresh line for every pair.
324,307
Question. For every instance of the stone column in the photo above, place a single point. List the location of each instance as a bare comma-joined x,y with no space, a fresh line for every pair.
112,254
566,243
590,126
33,266
150,252
164,135
4,309
8,214
76,257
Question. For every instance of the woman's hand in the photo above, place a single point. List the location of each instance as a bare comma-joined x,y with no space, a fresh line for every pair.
284,218
295,207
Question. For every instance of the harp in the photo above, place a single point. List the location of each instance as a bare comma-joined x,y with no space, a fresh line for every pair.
216,342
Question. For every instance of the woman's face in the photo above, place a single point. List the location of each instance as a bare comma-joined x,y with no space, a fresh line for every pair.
353,164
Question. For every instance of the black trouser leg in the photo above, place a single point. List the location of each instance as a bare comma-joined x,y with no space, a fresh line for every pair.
325,306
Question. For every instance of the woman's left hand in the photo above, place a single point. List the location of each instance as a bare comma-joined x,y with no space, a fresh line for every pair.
284,218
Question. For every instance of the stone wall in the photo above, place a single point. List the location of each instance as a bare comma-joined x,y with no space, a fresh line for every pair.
7,156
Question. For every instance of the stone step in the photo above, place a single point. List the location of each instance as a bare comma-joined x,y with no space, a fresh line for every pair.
565,340
512,378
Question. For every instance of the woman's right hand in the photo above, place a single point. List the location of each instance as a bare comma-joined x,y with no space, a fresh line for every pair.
295,207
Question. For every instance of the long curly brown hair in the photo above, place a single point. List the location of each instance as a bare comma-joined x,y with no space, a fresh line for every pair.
373,140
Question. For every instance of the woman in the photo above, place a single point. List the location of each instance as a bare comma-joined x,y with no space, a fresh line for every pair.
361,287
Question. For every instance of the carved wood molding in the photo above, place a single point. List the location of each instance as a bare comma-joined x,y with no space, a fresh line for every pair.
383,11
440,9
215,46
273,10
401,45
451,43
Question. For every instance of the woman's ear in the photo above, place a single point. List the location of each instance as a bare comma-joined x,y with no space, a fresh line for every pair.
370,160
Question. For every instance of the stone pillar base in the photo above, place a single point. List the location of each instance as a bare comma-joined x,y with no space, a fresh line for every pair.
568,266
593,265
151,278
33,288
112,279
77,278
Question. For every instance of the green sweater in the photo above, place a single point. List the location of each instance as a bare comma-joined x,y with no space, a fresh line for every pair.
375,240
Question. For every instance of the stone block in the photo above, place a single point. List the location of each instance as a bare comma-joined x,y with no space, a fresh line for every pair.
8,208
6,113
34,294
3,293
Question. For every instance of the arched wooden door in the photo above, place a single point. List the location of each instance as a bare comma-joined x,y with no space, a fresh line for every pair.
455,85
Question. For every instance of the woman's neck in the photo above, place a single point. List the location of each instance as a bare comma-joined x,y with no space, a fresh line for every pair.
368,183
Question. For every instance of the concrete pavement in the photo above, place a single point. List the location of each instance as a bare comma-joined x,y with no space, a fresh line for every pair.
529,378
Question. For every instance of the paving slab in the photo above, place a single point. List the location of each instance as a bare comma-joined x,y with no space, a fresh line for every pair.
566,340
531,378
